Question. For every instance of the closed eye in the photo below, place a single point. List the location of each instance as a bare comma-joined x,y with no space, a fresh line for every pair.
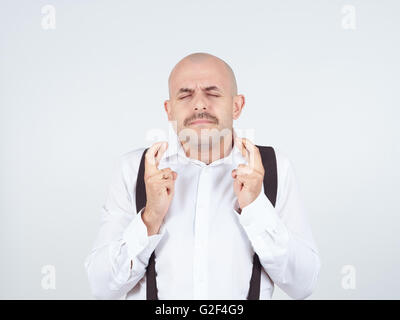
209,94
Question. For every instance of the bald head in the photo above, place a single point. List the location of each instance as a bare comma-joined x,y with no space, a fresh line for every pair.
201,61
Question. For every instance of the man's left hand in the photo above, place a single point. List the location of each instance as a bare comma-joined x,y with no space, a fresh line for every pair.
248,178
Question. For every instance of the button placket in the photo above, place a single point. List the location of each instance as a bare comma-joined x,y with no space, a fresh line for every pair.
201,237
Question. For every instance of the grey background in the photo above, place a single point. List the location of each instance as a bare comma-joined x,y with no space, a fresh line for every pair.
73,99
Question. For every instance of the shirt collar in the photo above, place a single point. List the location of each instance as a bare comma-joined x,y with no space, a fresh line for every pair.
176,154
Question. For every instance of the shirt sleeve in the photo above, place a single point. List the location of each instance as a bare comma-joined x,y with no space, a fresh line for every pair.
122,240
281,235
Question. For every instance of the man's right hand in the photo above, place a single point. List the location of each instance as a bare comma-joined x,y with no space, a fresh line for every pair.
160,186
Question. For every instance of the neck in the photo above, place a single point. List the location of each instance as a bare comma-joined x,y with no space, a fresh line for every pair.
210,152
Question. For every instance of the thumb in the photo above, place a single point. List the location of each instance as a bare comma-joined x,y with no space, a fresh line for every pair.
237,186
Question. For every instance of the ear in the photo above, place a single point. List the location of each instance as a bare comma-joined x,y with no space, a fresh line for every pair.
167,107
238,104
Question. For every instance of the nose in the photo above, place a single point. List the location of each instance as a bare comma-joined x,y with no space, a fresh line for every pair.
197,108
199,103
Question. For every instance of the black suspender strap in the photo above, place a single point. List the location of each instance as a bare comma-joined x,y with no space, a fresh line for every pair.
270,189
151,286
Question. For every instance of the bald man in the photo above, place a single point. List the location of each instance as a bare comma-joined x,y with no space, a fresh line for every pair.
206,214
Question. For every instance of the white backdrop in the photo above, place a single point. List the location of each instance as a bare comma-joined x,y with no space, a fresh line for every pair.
321,81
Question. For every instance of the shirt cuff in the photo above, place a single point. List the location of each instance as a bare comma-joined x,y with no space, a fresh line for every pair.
139,244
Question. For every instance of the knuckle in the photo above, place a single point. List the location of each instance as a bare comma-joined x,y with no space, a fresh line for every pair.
241,175
149,181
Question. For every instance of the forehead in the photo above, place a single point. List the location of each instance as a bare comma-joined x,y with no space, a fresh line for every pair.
193,75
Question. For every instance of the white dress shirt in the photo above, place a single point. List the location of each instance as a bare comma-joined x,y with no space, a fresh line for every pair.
205,248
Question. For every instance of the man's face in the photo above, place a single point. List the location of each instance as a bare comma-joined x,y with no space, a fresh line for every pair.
202,97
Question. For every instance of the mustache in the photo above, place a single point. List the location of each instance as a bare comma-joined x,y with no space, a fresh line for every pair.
203,115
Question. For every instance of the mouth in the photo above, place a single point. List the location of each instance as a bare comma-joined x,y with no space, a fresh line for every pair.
200,121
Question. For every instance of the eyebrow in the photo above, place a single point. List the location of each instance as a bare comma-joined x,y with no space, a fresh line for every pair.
209,88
